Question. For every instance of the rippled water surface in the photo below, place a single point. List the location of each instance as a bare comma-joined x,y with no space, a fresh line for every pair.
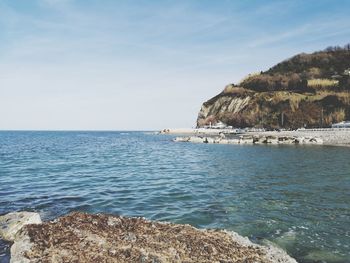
295,196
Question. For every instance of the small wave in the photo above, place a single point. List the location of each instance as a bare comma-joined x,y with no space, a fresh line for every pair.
150,133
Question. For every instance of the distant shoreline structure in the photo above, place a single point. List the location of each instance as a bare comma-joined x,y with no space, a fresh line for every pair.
325,136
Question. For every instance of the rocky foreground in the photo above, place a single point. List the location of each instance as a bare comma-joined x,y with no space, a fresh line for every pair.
80,237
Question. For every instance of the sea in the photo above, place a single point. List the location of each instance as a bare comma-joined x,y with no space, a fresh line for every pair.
297,197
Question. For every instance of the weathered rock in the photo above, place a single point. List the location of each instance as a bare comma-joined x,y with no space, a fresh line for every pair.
286,140
227,141
276,254
209,140
196,139
272,139
299,140
315,140
11,223
20,247
261,140
223,141
182,139
233,141
80,237
256,139
246,140
253,139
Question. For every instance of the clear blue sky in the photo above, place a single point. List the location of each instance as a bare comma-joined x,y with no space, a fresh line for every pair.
136,65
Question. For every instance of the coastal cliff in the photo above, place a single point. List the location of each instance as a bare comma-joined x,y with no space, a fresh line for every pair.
307,90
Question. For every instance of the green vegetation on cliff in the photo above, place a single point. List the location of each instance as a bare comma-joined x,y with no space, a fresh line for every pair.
307,90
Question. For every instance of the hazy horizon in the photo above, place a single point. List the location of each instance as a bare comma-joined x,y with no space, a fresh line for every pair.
144,65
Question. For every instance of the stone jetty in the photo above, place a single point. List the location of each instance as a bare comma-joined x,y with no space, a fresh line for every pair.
251,139
81,237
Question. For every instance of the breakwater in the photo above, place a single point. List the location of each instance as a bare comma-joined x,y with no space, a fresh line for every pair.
250,139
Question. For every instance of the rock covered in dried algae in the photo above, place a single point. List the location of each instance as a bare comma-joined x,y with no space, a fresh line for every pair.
80,237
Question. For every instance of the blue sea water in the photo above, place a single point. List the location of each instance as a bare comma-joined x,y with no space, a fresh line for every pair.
295,196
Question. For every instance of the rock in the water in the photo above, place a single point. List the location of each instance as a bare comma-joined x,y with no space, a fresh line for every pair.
299,140
233,141
181,139
208,140
315,140
223,141
246,140
272,140
286,140
196,139
11,223
80,237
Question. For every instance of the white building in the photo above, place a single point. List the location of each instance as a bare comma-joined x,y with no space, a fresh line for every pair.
343,124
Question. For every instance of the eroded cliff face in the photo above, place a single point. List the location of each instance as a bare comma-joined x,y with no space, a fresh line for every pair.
222,105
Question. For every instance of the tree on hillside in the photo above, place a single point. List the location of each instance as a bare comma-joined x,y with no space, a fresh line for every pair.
337,48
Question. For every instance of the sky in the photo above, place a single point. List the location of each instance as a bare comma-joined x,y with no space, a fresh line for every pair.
145,65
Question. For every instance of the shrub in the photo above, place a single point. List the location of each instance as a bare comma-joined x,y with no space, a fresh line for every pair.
274,82
322,83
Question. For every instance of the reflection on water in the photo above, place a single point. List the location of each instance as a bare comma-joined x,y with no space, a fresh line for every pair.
295,196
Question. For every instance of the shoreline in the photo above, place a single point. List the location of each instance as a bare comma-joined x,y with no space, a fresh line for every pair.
328,137
82,237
